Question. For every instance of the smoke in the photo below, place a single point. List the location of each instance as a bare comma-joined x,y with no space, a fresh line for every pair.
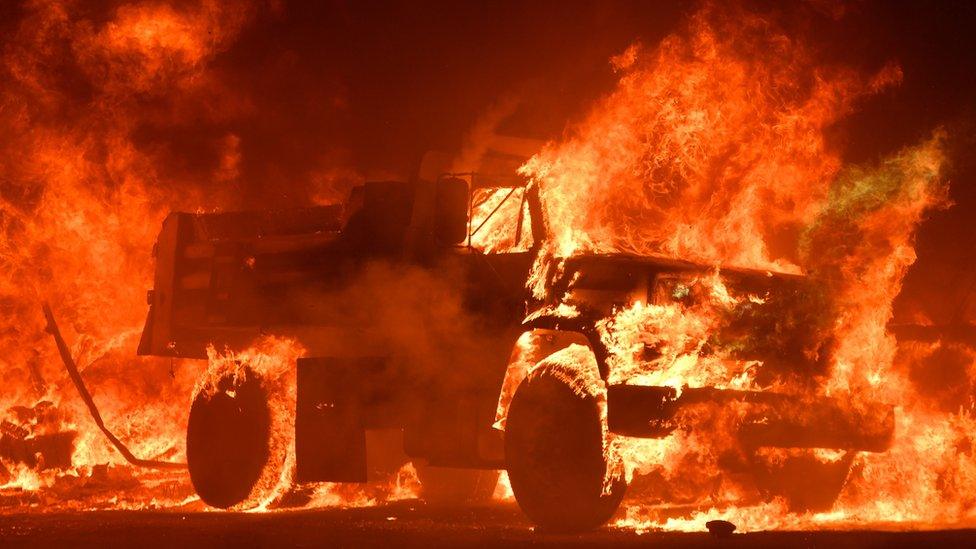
479,137
713,147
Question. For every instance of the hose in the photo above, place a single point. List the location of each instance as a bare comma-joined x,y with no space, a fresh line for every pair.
79,383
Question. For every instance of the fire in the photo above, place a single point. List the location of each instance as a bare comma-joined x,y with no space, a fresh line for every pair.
83,196
81,203
678,334
497,215
272,361
712,148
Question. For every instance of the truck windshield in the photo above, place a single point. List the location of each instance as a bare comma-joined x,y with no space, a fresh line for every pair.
499,220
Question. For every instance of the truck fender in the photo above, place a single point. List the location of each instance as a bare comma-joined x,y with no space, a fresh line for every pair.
535,344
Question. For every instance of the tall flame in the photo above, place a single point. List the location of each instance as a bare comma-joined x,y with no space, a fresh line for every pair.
84,190
712,147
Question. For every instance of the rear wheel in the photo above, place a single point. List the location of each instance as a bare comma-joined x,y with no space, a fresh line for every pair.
554,449
228,449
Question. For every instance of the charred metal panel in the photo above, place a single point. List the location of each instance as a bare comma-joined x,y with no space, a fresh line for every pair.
380,226
820,423
330,438
770,419
338,399
456,432
157,333
640,411
221,278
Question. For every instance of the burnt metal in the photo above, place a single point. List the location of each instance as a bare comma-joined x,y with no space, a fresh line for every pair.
639,411
46,451
330,427
226,279
771,419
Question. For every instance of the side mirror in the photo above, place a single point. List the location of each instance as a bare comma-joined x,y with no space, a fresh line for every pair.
451,211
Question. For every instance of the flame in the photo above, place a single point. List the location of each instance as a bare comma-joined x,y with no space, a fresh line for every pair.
495,220
81,202
678,334
272,360
86,185
712,148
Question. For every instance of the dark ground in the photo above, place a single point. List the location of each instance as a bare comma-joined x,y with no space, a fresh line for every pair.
396,525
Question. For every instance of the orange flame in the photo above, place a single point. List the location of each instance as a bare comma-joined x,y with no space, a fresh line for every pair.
82,200
712,148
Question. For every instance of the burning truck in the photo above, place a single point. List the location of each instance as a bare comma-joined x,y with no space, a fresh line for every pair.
696,292
546,385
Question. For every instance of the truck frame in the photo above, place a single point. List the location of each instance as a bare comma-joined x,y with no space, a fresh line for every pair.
344,281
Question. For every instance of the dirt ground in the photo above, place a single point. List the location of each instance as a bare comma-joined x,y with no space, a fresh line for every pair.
403,524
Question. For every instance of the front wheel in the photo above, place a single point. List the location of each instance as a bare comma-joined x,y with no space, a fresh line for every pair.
555,450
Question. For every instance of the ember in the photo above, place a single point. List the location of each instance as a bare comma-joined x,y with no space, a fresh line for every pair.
684,311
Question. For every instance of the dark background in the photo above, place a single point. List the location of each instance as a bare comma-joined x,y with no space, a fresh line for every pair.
387,80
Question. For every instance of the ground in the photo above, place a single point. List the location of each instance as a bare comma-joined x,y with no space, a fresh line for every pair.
402,524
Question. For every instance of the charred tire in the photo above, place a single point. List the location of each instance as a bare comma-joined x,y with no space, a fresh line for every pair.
227,439
451,485
555,458
806,483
